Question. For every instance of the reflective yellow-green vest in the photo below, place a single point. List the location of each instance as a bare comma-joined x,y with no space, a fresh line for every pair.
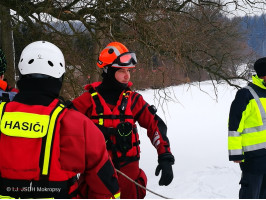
251,133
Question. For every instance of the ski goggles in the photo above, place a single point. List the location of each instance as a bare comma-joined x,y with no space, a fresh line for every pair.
127,59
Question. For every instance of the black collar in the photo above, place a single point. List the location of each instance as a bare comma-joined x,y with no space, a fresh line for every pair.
34,91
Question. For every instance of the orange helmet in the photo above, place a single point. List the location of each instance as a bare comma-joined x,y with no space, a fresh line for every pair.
117,55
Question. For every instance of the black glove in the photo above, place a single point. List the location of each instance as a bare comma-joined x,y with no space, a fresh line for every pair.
165,161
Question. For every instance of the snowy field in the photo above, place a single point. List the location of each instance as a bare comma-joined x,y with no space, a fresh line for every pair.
197,129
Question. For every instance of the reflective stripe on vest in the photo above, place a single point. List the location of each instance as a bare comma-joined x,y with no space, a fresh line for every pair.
257,129
262,113
49,139
234,133
235,152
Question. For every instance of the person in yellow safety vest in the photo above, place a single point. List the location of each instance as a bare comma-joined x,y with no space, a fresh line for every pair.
247,134
46,149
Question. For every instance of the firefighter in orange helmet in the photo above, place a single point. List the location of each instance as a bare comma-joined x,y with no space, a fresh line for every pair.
115,109
43,144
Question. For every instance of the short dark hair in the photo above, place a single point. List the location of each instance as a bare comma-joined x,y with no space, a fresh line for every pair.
260,67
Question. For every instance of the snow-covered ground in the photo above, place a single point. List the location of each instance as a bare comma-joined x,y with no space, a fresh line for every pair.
197,129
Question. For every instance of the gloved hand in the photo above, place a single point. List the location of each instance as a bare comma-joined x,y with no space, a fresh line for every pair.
165,161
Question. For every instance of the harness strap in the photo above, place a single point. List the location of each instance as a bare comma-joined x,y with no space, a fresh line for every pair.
107,132
99,107
112,117
136,143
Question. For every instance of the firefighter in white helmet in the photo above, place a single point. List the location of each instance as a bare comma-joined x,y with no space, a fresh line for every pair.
43,144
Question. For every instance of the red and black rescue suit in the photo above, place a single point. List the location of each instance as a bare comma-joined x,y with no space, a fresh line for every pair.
115,110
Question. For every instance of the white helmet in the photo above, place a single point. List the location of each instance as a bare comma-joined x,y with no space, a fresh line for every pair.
42,57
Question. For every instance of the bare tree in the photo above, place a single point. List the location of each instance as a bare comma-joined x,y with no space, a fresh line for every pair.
7,44
174,39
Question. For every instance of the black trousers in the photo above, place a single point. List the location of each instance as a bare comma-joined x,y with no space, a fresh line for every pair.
253,186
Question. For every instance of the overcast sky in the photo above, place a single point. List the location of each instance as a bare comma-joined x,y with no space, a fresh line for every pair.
246,9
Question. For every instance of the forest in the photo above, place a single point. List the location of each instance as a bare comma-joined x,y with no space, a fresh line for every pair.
255,26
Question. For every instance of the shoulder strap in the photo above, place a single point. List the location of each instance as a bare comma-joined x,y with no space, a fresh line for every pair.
2,109
66,103
99,107
47,143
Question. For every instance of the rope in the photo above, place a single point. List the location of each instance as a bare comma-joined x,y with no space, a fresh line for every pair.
141,186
